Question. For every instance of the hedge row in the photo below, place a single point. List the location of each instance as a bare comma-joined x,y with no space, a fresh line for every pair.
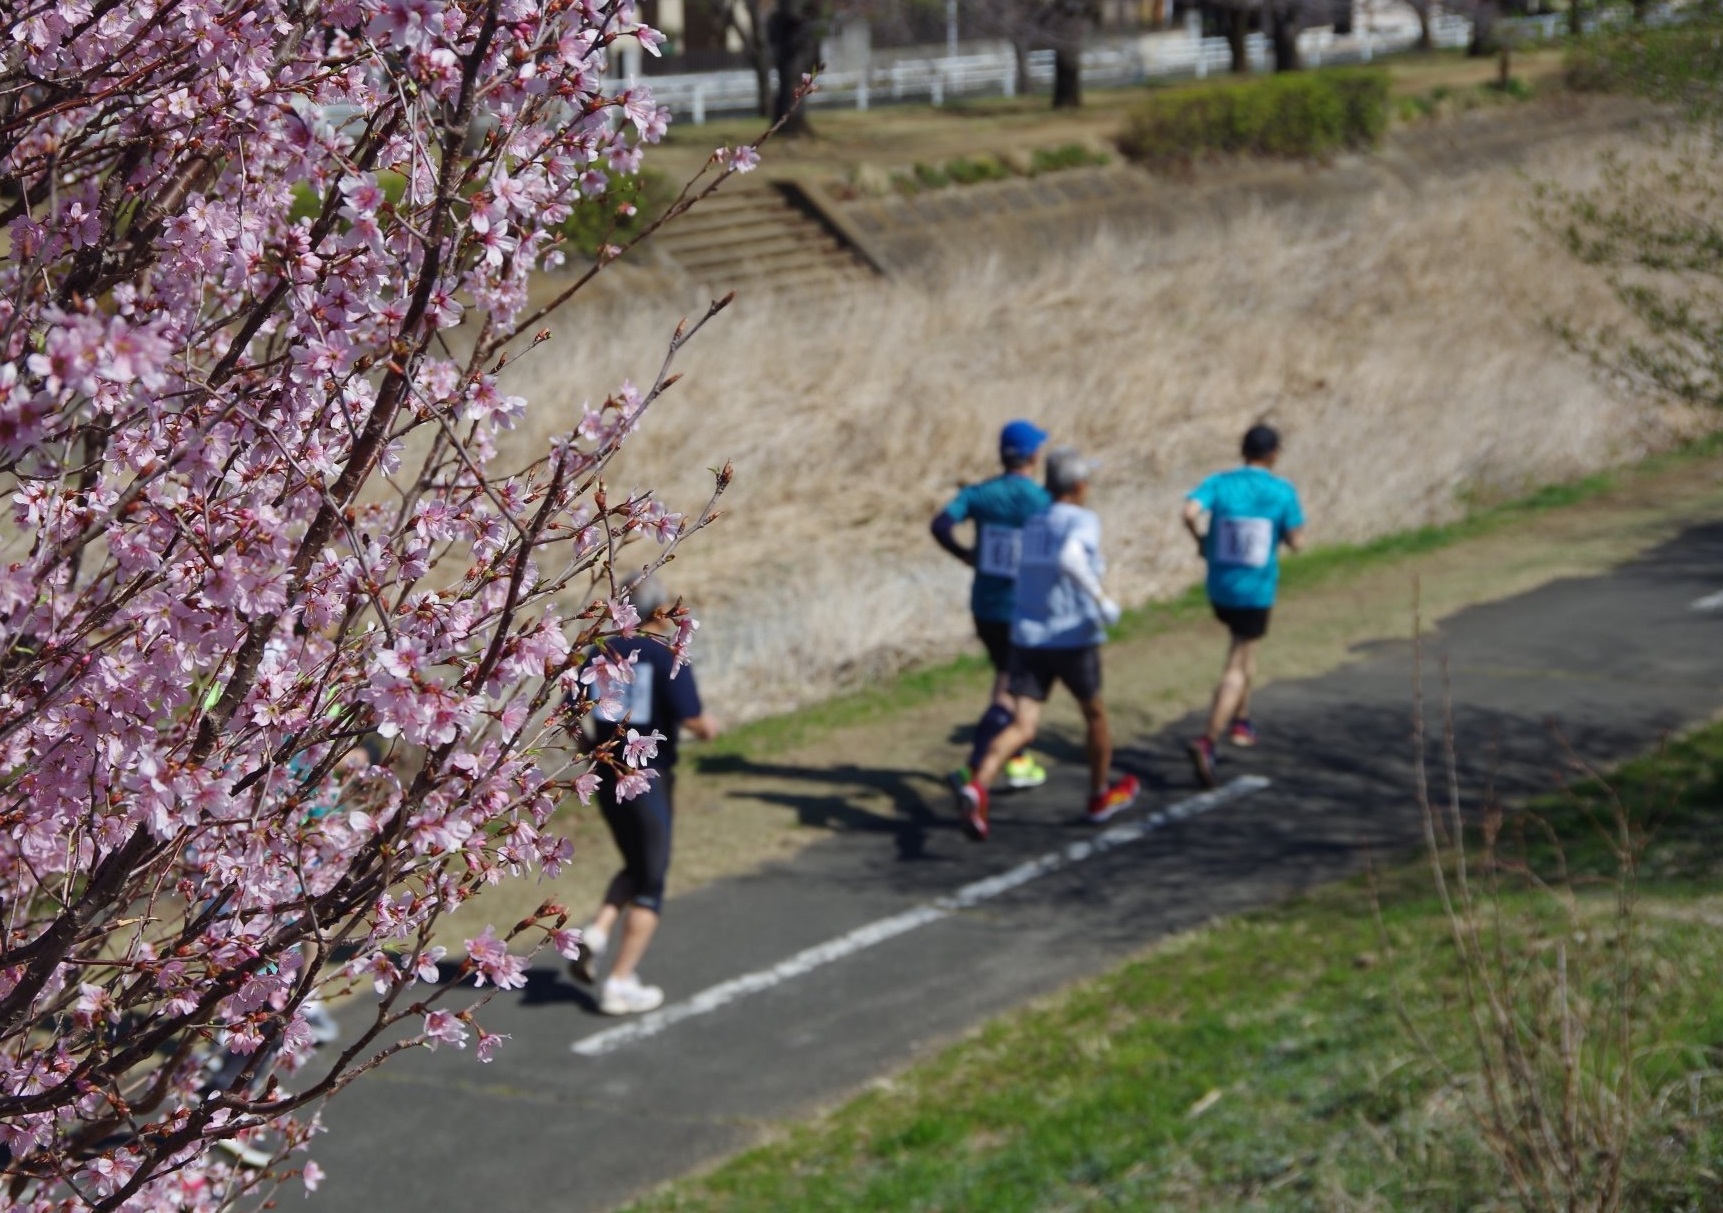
1297,114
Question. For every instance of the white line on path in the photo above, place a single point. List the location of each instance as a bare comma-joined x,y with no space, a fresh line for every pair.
1710,602
726,992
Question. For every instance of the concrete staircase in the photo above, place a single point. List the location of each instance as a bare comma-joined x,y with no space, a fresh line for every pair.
755,235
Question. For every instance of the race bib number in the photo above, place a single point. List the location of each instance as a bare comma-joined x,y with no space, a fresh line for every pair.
1038,545
1243,542
1000,552
636,698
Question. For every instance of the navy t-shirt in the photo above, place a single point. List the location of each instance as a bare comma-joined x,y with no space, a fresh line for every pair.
654,700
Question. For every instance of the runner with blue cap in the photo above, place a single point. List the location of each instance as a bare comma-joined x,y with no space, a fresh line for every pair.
998,507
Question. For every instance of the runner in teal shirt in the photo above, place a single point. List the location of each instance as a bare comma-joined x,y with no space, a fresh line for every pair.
998,507
1250,513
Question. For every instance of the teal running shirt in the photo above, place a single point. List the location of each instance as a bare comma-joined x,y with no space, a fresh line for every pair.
1250,511
1000,507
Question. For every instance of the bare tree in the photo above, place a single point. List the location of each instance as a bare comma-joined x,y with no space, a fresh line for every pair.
747,21
1032,24
1281,21
793,32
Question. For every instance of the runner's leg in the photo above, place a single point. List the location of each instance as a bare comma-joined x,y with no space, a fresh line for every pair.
618,895
1002,706
637,934
1234,688
1242,712
651,864
1098,741
1019,733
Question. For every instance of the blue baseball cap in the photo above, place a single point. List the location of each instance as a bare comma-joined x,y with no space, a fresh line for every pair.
1020,439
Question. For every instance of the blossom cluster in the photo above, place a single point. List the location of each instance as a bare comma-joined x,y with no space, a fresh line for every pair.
282,648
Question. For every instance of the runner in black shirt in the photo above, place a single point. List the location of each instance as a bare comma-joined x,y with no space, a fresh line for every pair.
660,700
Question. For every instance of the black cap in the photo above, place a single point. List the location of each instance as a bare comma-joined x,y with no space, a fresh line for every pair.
1260,442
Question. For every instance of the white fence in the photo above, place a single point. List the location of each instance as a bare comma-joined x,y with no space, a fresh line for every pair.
938,79
1119,63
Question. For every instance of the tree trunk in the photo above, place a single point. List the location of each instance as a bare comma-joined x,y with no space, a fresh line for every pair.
1020,53
1067,77
792,31
1068,60
1640,9
1283,35
1237,30
1426,37
762,65
1483,30
760,52
1575,18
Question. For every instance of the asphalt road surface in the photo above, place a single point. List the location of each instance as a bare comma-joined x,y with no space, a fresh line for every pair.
792,987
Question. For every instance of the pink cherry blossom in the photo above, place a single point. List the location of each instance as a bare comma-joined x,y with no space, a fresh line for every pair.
244,296
442,1027
639,749
489,958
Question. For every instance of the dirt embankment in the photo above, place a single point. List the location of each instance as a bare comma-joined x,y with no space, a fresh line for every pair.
1388,312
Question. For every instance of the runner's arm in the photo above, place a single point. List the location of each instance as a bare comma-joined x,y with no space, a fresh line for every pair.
1294,539
1193,516
704,726
1074,563
943,528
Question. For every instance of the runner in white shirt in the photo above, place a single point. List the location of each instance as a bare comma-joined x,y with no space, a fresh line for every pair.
1061,620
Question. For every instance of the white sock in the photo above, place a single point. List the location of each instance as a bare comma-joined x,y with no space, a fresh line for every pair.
595,940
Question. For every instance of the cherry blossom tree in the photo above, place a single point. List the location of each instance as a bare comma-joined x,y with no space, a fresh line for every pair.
288,663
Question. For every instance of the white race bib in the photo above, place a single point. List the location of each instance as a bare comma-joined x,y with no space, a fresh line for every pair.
637,700
1000,551
1038,545
1243,542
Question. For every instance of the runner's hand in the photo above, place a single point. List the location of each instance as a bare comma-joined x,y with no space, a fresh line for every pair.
1110,611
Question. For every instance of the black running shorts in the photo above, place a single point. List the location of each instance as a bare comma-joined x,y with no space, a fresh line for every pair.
641,828
1034,671
996,637
1245,623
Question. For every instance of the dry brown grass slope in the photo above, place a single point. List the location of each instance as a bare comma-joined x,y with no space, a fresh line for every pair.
1405,354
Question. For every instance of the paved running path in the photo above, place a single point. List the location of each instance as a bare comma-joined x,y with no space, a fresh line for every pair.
1609,663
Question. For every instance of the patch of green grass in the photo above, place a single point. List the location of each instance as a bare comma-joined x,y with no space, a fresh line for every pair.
1263,1064
1068,155
1309,570
1442,99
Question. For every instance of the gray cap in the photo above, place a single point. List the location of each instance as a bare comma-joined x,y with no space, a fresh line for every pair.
1067,468
646,593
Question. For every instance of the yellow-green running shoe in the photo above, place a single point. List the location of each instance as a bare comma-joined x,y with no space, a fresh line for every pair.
1024,772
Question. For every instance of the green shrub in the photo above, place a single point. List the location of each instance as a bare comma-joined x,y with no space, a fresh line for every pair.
308,204
1070,155
595,221
1513,87
981,168
931,177
1682,63
1294,115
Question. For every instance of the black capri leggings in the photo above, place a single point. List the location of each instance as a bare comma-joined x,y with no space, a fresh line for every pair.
641,828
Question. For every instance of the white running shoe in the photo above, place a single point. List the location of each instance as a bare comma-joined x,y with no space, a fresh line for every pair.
583,968
626,996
